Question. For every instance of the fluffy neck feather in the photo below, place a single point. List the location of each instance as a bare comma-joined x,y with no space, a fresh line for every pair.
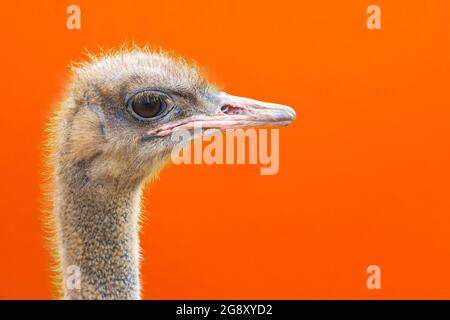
97,231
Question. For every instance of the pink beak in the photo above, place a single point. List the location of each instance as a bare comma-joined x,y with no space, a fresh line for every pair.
234,112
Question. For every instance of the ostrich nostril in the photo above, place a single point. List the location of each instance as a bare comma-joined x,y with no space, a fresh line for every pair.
231,110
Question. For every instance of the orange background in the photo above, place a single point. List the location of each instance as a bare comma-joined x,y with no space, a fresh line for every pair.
364,171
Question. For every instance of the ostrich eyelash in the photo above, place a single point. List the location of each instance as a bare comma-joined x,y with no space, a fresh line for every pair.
147,91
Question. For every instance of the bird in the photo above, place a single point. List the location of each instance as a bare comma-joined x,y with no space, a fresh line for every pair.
108,138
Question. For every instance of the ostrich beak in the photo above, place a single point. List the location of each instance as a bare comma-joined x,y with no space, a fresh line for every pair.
233,112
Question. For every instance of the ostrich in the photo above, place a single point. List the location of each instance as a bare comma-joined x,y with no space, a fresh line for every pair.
110,135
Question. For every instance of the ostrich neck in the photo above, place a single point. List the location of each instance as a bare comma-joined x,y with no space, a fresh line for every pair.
97,229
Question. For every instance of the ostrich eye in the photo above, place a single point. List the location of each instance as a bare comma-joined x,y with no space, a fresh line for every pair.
147,105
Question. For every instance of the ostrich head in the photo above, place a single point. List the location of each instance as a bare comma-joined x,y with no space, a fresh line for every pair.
113,130
122,109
